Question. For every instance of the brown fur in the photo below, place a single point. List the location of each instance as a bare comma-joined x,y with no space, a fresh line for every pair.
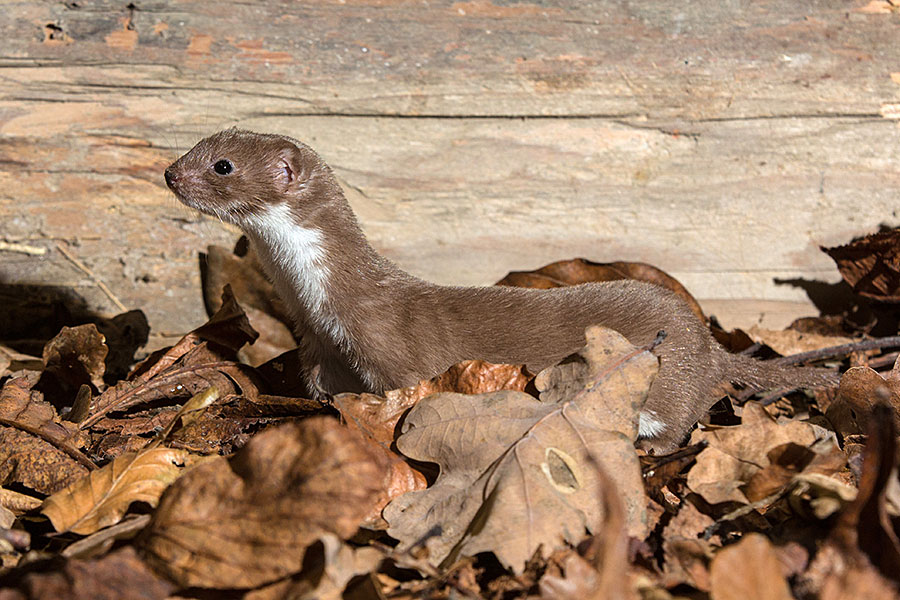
400,329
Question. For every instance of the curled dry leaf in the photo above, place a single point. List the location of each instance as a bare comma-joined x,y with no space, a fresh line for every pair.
860,389
247,521
735,454
731,579
517,473
17,502
37,449
101,499
865,523
871,265
71,359
788,461
580,270
255,294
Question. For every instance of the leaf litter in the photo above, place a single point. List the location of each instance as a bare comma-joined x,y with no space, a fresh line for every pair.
202,470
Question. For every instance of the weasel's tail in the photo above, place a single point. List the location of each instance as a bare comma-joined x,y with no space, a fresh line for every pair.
764,375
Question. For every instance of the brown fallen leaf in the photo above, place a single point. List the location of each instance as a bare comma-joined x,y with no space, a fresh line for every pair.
580,270
378,416
659,470
789,341
865,523
517,472
73,358
37,449
204,358
787,461
687,562
247,521
748,569
255,294
17,502
871,265
860,389
735,454
12,361
329,565
604,572
861,556
120,574
101,499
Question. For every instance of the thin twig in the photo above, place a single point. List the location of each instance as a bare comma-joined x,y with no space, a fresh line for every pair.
93,276
23,248
841,350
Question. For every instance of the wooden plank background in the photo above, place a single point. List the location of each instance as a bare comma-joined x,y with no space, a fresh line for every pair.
722,141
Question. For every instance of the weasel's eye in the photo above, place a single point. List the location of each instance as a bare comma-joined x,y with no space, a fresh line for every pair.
223,167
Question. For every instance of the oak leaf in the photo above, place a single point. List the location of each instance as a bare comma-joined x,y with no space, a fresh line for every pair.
518,473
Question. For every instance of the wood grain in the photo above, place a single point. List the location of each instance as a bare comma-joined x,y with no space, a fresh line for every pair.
720,141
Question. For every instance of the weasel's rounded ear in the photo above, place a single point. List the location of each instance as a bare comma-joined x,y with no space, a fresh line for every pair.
291,171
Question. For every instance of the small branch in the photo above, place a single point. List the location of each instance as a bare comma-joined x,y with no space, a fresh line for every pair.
841,350
23,248
93,276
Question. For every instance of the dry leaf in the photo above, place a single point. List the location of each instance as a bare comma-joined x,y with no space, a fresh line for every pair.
118,575
687,562
71,359
748,569
789,341
247,521
12,361
860,389
861,556
871,265
204,358
101,499
735,454
787,461
37,449
17,502
378,416
606,576
256,295
516,472
329,565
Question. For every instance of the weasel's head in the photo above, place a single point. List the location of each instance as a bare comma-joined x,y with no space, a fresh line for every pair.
241,177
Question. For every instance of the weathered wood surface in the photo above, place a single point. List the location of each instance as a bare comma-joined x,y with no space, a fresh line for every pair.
720,141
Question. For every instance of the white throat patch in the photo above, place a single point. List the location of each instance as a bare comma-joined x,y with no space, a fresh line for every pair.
294,258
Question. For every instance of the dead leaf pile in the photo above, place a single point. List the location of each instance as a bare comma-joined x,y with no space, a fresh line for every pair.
202,471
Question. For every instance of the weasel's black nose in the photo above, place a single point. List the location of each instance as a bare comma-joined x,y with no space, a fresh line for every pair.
171,178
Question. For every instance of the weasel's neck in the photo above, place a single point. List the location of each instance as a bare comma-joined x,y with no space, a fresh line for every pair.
318,266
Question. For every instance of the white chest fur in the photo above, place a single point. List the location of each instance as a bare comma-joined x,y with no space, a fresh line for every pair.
295,259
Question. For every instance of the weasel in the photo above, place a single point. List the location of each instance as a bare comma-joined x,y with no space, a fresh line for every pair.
366,325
